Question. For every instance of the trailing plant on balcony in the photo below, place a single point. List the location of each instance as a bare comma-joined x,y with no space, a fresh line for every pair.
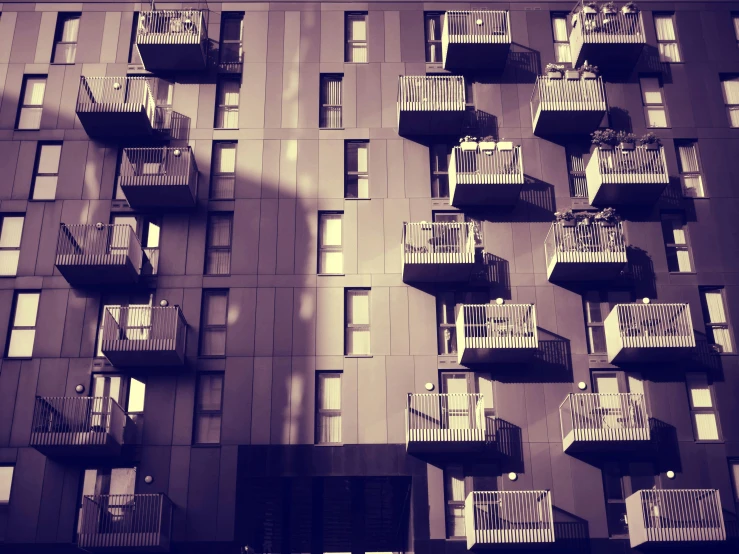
607,217
590,7
588,71
608,7
487,144
605,139
627,140
629,7
566,218
650,141
555,71
468,143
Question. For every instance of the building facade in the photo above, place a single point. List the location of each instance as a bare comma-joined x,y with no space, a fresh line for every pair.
368,277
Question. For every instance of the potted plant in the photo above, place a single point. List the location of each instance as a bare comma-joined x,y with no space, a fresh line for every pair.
590,7
583,218
554,71
566,218
608,7
605,139
627,140
505,145
629,7
572,74
588,71
468,143
487,144
607,217
650,141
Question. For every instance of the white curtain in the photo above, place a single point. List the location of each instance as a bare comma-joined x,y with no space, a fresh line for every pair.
717,315
706,426
70,28
692,181
664,27
218,260
559,29
731,97
331,101
329,399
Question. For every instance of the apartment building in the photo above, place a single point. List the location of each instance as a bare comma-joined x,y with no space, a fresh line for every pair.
369,277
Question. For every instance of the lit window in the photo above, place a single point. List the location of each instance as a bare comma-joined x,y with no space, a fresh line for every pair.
223,171
690,168
208,408
23,328
29,113
47,171
6,482
358,322
328,407
11,231
65,45
730,85
714,314
702,408
330,247
227,104
356,37
561,42
356,179
331,102
433,36
675,234
669,51
655,111
213,323
218,245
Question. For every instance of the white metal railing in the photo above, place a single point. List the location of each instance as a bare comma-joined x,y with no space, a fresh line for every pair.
119,94
143,328
445,418
431,93
638,166
568,95
585,244
171,27
604,417
497,326
650,326
96,245
498,167
476,27
607,28
438,243
508,517
677,515
164,166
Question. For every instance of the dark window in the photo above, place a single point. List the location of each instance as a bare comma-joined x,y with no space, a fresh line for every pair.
213,323
331,101
232,29
576,170
356,164
440,155
328,407
218,245
433,36
208,408
223,171
46,171
65,41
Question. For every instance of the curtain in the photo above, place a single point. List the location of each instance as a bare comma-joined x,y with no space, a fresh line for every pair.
715,305
329,398
218,260
331,101
559,29
70,28
35,89
669,52
706,427
664,27
688,155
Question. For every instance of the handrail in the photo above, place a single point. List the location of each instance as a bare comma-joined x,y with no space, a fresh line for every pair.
506,517
171,27
431,93
476,26
99,244
120,94
652,325
77,421
608,28
164,166
137,328
494,326
604,417
498,167
438,243
638,166
445,417
568,95
588,244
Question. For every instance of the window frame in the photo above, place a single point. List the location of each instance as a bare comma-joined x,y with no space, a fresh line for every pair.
216,174
325,411
429,42
440,178
648,106
13,327
449,503
226,16
690,174
726,324
224,111
672,216
127,303
324,116
701,379
735,22
730,77
349,43
62,18
22,106
349,173
3,217
331,248
350,326
197,412
675,41
4,503
559,16
575,176
39,150
204,326
209,249
734,476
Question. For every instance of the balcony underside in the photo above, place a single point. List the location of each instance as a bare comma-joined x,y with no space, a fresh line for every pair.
437,272
470,355
88,444
136,542
172,57
640,194
430,122
110,121
607,55
600,441
445,440
143,353
144,193
475,56
654,354
518,536
566,122
110,269
584,271
485,194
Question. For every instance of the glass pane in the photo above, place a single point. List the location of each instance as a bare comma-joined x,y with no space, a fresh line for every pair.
9,262
213,342
10,231
357,187
734,465
454,384
733,116
30,118
656,117
731,90
21,343
208,429
597,339
6,479
153,232
44,188
331,229
357,311
227,118
736,32
651,90
329,428
70,27
358,341
593,310
692,186
722,337
357,53
122,480
616,513
231,28
136,396
683,260
219,230
433,27
225,158
607,384
35,89
215,308
106,386
715,306
559,29
65,53
48,160
562,52
357,27
669,52
210,390
331,262
664,27
26,308
454,484
230,52
218,262
700,396
706,427
329,391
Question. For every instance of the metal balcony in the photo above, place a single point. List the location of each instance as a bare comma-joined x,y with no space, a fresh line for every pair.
603,422
99,254
446,423
431,105
498,518
475,39
495,332
567,106
125,523
591,252
116,107
80,426
605,39
633,177
491,177
143,336
159,177
675,517
172,40
438,252
648,332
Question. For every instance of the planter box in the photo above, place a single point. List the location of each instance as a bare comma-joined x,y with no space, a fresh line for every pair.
588,9
625,9
554,74
486,146
608,10
572,74
505,146
628,146
468,146
652,146
588,75
569,222
605,146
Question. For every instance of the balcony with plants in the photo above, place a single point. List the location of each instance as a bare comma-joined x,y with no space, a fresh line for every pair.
624,170
568,101
173,40
431,104
438,252
485,172
475,39
607,34
159,177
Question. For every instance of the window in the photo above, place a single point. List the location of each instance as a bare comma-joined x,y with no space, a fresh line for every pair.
597,306
356,163
356,37
227,104
47,171
675,234
6,482
450,237
702,408
218,245
455,493
445,316
433,36
669,51
213,323
440,155
714,314
561,41
65,41
330,243
134,57
328,407
357,322
128,392
690,168
112,304
331,89
576,171
29,114
655,112
232,29
223,171
23,328
730,85
735,19
11,231
112,481
208,408
621,480
147,229
733,468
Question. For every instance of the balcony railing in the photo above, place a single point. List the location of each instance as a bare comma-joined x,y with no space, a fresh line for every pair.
488,332
585,252
159,177
446,421
675,516
78,426
563,106
99,254
172,39
601,37
648,332
438,251
431,104
491,177
510,517
597,420
476,38
626,176
130,522
144,335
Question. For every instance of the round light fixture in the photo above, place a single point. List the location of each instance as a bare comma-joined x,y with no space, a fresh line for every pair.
148,479
582,385
512,476
479,22
163,303
429,386
499,301
99,225
177,152
79,389
645,300
670,474
116,86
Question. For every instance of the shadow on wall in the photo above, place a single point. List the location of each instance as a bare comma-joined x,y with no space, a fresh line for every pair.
641,272
665,445
619,119
494,272
649,62
508,444
571,534
480,124
538,199
523,65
